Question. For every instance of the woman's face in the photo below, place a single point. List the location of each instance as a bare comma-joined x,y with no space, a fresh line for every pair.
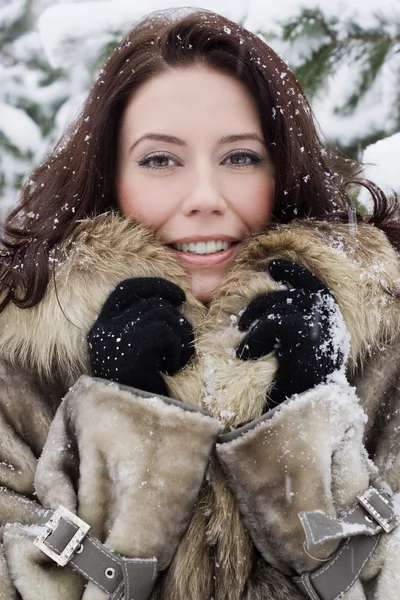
193,167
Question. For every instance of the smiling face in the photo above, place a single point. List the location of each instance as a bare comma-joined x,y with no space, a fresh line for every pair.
193,167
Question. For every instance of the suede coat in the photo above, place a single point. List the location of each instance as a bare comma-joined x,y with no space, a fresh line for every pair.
147,474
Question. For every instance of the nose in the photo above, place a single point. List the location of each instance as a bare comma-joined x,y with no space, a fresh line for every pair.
204,194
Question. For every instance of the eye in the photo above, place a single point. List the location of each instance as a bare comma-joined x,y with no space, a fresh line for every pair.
158,161
242,158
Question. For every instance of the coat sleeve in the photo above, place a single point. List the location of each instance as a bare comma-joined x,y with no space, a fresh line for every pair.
378,386
292,460
130,465
25,416
308,454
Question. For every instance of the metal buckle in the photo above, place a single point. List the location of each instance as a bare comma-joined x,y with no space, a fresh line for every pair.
51,525
387,524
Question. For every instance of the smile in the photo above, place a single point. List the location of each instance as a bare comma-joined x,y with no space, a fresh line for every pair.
205,253
210,247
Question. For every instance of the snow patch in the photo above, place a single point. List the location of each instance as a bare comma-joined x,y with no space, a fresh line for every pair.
19,128
382,161
71,32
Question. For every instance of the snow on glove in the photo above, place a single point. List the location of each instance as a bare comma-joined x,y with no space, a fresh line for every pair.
140,333
130,465
303,325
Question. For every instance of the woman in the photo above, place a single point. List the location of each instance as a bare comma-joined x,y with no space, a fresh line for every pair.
154,264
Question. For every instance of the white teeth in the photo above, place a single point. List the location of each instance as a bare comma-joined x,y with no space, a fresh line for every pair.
203,247
211,247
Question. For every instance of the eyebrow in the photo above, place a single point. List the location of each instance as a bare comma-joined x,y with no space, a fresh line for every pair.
172,139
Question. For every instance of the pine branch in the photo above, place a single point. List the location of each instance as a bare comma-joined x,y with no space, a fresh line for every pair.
10,31
313,73
375,57
375,46
310,23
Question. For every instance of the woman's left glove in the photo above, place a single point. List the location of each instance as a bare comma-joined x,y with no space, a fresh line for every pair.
305,454
297,471
302,324
140,333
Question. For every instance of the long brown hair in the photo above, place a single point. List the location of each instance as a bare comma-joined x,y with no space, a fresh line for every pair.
78,179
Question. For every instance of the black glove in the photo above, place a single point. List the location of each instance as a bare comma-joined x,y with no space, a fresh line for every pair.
303,325
140,334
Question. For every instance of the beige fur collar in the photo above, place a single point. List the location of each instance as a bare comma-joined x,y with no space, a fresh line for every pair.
101,253
360,267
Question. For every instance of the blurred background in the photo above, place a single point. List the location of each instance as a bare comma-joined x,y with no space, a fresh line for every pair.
346,55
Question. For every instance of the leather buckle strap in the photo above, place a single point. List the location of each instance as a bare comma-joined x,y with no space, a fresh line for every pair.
65,540
380,509
361,529
340,572
56,522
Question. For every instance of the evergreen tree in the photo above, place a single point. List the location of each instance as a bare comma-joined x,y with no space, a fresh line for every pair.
348,66
31,92
363,59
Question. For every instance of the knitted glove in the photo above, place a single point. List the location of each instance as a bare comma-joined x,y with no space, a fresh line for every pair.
140,333
300,324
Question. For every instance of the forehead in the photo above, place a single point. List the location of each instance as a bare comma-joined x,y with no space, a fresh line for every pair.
190,99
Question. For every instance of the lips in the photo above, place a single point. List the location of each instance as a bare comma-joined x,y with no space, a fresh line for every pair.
204,259
203,247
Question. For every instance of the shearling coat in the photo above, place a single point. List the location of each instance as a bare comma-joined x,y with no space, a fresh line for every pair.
223,524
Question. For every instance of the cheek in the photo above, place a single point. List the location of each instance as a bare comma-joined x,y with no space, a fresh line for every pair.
140,204
126,204
259,203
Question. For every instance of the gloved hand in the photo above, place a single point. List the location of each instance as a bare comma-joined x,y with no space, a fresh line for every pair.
303,325
140,334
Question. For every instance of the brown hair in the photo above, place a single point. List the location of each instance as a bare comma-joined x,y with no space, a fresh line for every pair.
78,179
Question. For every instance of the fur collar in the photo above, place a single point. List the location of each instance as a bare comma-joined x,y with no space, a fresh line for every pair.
360,267
49,338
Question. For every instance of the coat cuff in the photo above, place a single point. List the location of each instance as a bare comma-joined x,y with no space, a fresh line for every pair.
292,460
145,454
144,394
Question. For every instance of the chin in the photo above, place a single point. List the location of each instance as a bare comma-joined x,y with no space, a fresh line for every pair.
204,296
203,286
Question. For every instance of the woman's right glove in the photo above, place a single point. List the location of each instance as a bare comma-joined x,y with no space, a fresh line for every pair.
140,334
